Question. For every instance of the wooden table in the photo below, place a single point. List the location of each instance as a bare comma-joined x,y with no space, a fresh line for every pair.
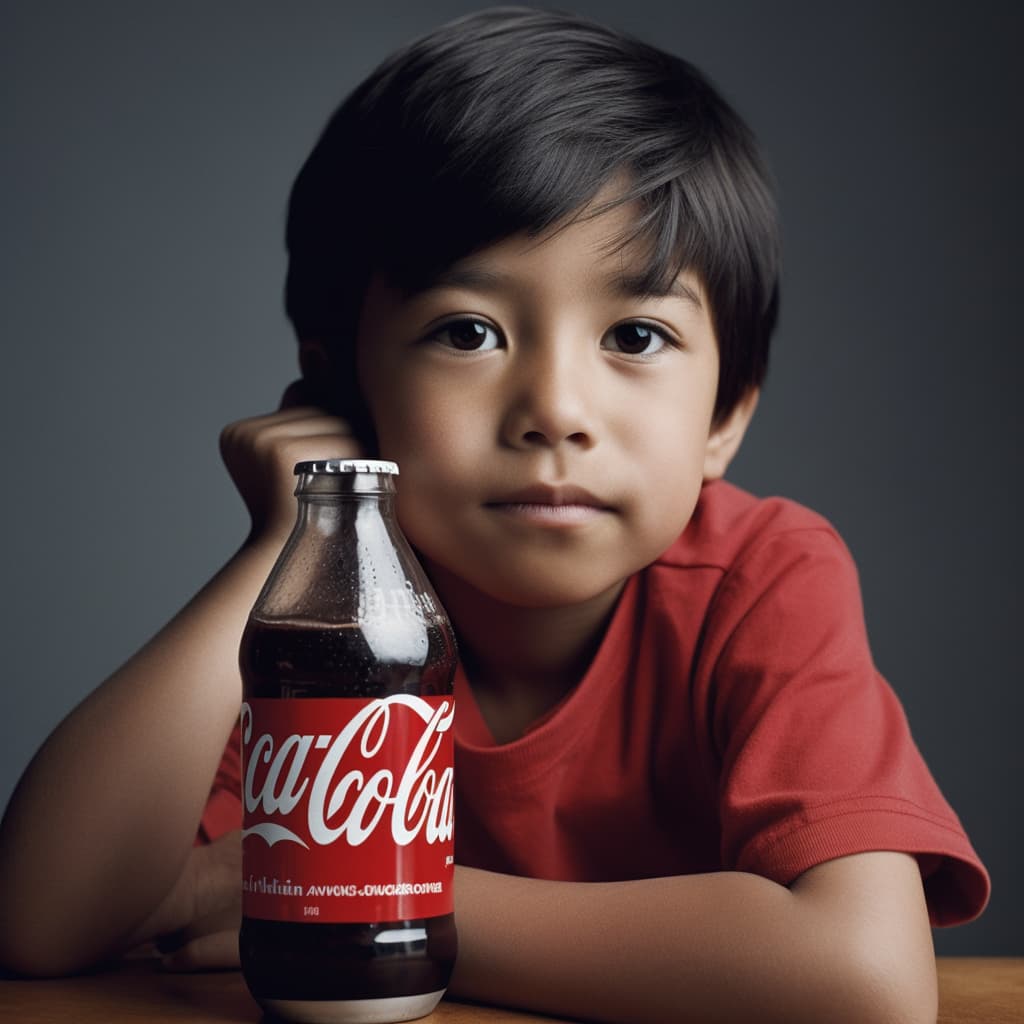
971,991
981,990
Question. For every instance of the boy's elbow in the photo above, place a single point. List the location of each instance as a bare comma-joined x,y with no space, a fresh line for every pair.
36,939
889,987
42,951
33,959
866,931
46,933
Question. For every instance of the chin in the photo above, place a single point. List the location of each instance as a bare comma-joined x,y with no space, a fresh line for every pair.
545,590
527,579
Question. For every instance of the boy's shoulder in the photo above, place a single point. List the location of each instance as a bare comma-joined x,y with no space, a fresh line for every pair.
730,524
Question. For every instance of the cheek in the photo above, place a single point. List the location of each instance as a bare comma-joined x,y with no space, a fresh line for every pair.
669,455
432,435
419,434
396,412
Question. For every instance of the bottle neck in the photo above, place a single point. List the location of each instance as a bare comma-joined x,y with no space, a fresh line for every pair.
328,514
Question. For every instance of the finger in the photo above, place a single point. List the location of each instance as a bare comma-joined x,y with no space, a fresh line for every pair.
314,423
254,424
284,453
216,951
263,434
269,430
316,448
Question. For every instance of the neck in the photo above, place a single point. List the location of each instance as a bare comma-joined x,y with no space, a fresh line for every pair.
521,661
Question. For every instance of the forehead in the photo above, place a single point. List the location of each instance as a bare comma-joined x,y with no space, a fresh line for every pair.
597,248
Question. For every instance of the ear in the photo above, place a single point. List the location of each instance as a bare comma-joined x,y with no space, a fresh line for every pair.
725,439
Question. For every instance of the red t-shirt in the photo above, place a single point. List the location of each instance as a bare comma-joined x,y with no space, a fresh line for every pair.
732,719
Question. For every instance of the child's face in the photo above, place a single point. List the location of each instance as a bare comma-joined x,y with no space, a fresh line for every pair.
551,428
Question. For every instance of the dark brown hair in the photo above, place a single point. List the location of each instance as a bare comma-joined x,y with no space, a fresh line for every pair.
507,121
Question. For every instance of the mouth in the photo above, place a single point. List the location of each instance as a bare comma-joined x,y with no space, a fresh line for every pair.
543,504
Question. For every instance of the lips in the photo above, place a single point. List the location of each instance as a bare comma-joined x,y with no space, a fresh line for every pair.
554,495
551,507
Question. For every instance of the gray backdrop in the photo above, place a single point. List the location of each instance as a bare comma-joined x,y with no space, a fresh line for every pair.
147,153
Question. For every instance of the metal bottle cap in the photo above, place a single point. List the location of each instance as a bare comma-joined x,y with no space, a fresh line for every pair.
347,466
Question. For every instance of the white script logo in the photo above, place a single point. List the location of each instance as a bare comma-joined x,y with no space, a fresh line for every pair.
422,800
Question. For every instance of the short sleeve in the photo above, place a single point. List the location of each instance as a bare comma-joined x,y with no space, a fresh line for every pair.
223,810
816,754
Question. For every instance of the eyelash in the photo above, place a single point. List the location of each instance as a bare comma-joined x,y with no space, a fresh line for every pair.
667,340
461,321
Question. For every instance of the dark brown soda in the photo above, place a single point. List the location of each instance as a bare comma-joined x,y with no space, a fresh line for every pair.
313,961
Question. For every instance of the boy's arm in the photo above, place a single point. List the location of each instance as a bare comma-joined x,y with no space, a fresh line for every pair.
848,941
100,827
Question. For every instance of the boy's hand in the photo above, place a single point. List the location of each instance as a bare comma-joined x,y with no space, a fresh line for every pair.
260,454
196,925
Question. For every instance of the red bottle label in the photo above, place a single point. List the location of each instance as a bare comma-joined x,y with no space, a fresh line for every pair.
348,807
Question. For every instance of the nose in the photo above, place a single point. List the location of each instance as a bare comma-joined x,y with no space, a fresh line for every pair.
550,400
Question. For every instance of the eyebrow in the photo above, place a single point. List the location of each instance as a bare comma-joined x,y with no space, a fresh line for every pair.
632,286
635,286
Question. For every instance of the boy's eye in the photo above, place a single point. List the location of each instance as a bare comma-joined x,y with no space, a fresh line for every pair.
466,336
634,339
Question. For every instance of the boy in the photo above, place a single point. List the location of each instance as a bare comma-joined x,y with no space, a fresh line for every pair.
536,264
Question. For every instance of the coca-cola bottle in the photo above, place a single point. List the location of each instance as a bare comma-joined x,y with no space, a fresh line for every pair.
347,764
